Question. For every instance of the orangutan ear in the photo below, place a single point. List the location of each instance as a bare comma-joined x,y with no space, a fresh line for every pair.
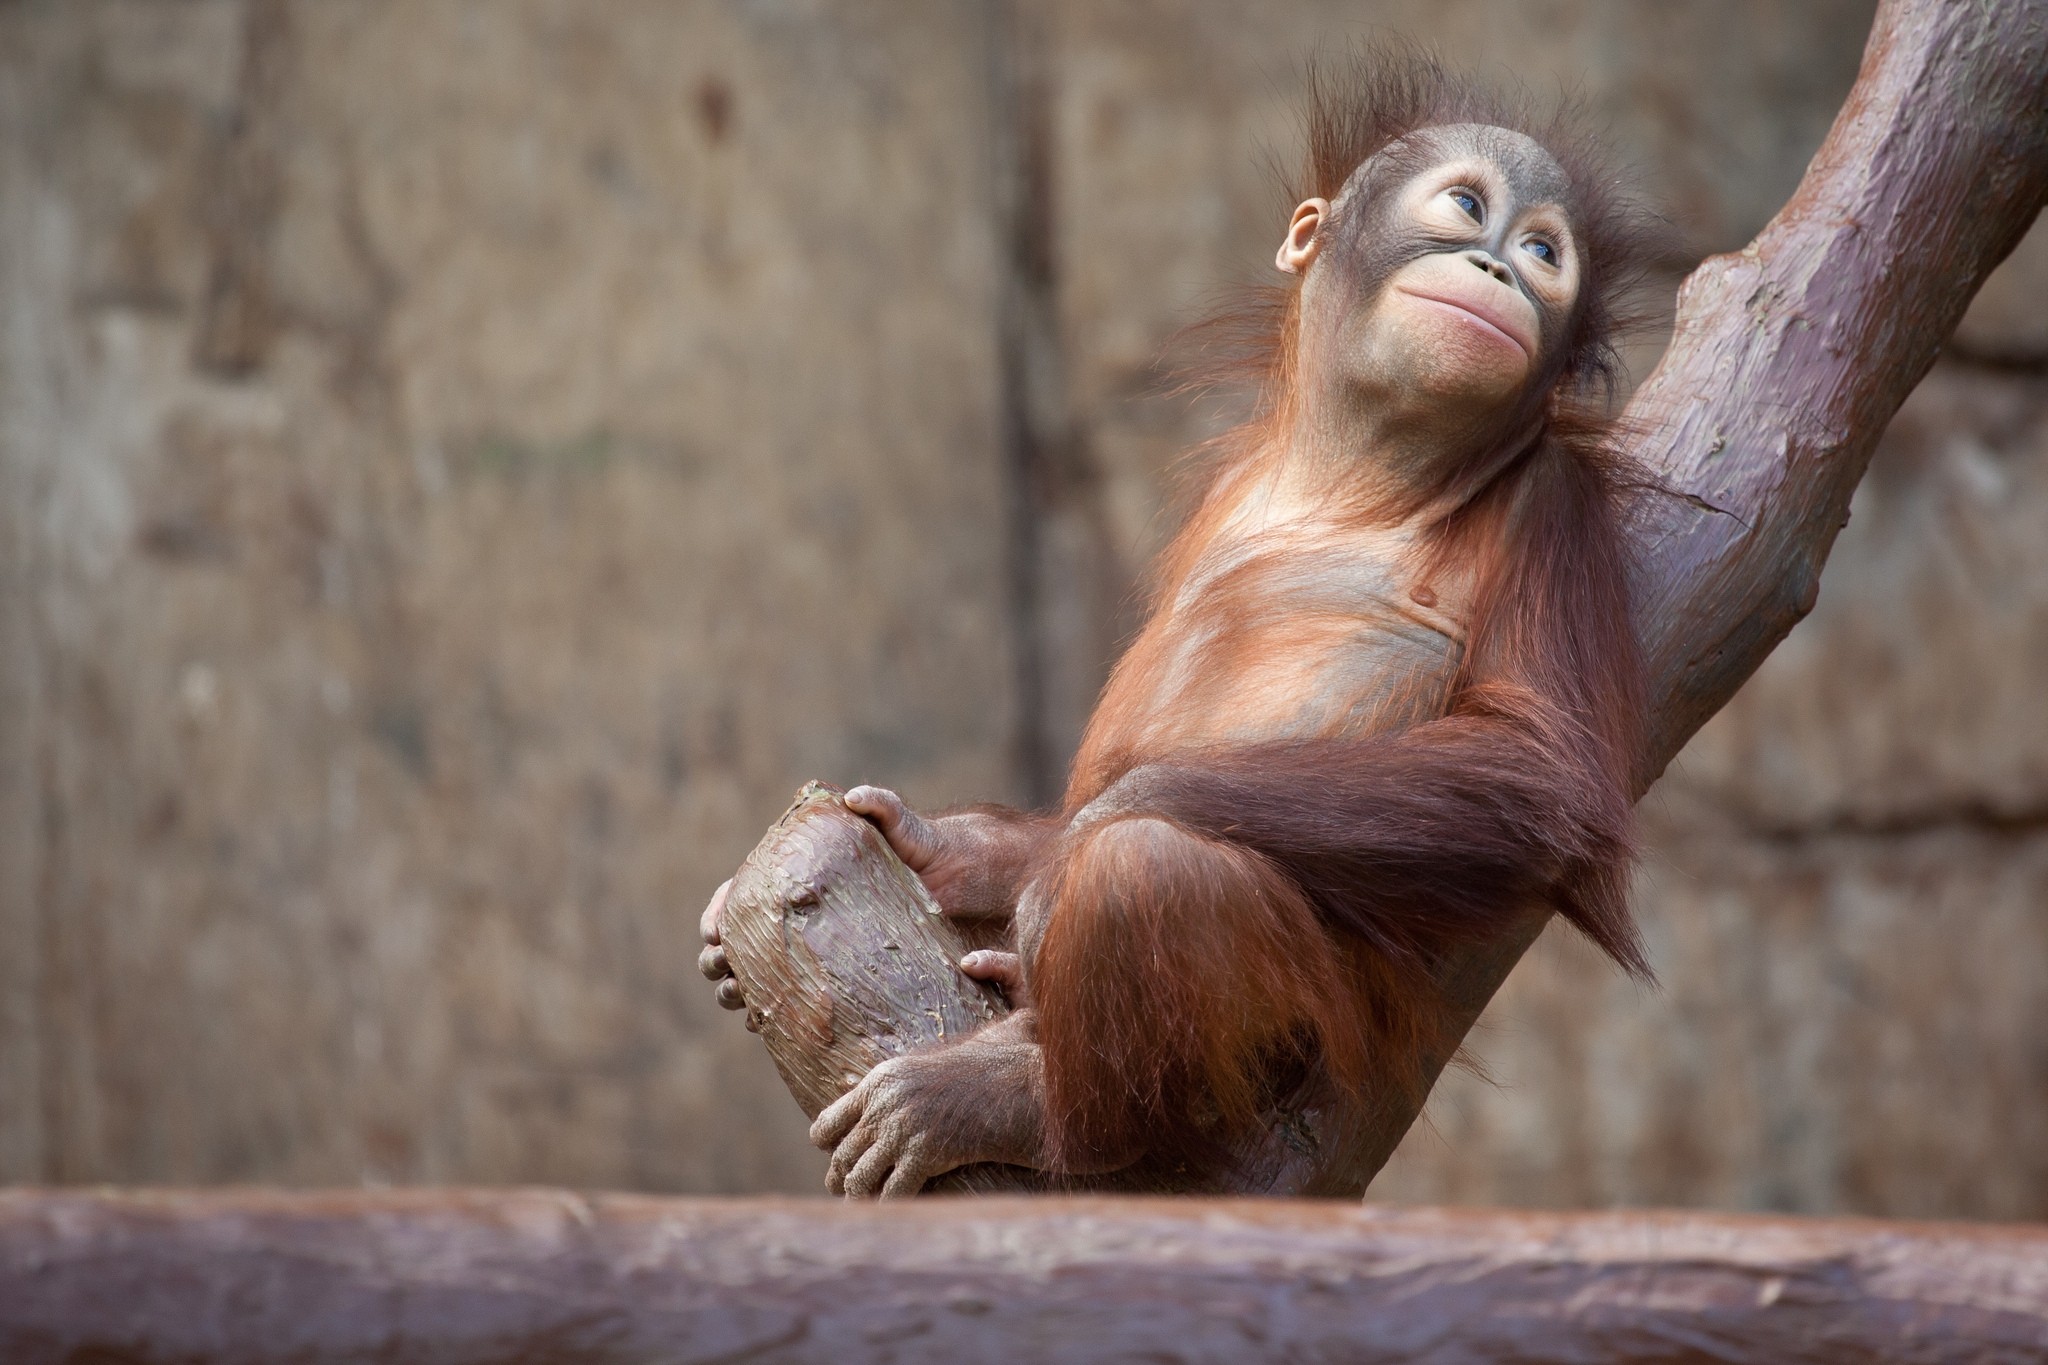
1303,236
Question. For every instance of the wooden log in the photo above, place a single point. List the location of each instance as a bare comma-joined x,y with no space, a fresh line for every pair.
492,1278
842,953
1787,361
846,962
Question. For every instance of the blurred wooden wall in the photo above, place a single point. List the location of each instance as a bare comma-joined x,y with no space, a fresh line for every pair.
463,464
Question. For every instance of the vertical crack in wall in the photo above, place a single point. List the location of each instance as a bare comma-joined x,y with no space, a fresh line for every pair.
237,318
1031,366
24,405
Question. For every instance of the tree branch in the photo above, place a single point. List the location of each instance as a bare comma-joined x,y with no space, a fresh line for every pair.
1790,357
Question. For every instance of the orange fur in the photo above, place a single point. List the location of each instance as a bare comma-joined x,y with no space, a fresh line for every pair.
1262,873
1236,977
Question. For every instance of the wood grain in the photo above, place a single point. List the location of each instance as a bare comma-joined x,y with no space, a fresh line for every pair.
492,1278
841,952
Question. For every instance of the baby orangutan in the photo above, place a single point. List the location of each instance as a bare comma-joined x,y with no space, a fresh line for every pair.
1388,697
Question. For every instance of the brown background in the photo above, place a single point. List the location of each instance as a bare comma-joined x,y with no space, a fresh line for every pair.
463,464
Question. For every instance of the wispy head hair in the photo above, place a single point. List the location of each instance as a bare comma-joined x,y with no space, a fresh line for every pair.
1361,103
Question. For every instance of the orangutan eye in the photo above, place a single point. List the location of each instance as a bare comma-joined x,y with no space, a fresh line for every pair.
1541,250
1469,202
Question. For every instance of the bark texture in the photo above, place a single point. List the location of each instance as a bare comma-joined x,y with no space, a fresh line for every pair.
845,960
1787,361
847,963
1789,357
466,1278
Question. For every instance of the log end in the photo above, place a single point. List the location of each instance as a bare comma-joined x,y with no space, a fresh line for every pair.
843,956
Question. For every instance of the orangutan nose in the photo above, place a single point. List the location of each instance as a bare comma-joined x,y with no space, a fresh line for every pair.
1485,261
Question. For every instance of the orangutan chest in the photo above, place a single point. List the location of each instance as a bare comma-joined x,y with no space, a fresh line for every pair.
1346,639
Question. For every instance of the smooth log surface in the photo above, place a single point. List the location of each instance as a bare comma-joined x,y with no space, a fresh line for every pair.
479,1278
1787,361
1789,358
